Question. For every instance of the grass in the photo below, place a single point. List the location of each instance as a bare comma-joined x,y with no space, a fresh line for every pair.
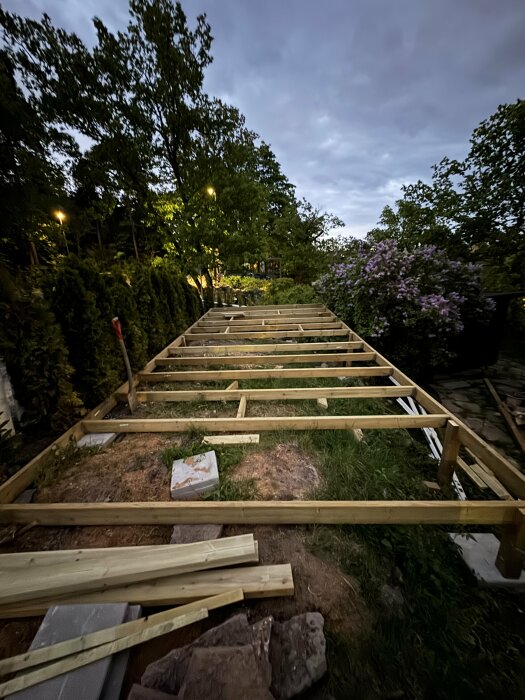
450,638
58,461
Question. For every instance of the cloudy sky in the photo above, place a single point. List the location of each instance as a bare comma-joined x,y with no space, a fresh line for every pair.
356,97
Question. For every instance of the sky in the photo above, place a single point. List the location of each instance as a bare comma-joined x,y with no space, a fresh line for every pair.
355,97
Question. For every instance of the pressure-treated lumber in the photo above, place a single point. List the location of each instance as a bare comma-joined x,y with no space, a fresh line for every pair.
255,581
231,439
108,570
74,661
266,335
238,374
511,553
267,359
279,320
111,634
488,477
203,327
241,411
517,433
258,424
265,513
472,471
450,454
207,350
344,392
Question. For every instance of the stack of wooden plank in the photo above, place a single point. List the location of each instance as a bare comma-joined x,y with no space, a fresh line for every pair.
31,582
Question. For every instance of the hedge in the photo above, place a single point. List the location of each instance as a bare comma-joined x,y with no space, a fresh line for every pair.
58,345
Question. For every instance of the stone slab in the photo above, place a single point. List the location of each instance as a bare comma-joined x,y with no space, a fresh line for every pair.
224,673
66,622
297,654
96,440
194,476
184,534
479,551
26,496
119,662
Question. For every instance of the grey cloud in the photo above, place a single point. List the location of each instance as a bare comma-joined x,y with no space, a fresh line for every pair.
356,97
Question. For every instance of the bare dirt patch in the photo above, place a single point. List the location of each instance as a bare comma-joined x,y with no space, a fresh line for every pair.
319,584
284,473
261,409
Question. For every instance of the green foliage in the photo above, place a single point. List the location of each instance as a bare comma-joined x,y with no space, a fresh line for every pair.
410,304
287,291
474,208
245,284
37,360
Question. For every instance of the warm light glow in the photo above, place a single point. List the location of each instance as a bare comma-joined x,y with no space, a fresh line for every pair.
60,215
211,191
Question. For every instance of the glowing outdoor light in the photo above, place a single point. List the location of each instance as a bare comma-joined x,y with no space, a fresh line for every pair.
211,191
60,216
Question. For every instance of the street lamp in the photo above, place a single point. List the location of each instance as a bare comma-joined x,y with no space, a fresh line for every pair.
211,191
60,216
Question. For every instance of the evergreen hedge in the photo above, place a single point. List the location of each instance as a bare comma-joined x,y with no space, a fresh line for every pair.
57,342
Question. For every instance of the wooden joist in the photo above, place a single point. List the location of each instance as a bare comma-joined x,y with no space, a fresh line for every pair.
207,375
255,581
111,634
267,335
69,663
207,350
21,583
266,359
344,392
265,513
267,327
257,424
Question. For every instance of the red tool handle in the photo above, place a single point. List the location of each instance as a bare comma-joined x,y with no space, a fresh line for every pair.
117,327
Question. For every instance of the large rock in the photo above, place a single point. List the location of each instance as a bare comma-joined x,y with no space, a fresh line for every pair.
297,654
224,673
138,692
168,673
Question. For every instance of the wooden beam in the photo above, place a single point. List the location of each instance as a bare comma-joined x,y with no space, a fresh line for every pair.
281,307
238,374
472,471
21,584
517,433
511,553
241,411
267,359
245,439
70,663
266,335
110,634
343,392
232,387
258,424
256,582
204,327
207,350
265,513
450,454
272,321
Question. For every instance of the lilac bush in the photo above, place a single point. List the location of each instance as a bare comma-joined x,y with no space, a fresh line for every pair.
409,304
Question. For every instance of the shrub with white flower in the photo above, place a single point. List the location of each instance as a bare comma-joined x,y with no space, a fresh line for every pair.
409,304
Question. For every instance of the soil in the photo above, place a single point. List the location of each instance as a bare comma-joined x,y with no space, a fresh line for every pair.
282,474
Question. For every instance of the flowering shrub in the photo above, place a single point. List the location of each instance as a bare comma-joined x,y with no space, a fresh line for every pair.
410,304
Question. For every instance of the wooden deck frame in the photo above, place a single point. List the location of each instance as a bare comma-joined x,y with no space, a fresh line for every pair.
315,321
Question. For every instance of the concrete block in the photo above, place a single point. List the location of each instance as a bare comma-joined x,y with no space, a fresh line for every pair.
479,551
194,476
26,496
99,440
323,403
66,622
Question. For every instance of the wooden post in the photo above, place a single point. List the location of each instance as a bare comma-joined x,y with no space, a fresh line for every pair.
450,454
511,553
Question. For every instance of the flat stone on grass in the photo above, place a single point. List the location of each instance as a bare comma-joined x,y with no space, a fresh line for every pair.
479,551
193,476
96,440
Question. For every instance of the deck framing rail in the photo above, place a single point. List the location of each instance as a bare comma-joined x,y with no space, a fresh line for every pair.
311,336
